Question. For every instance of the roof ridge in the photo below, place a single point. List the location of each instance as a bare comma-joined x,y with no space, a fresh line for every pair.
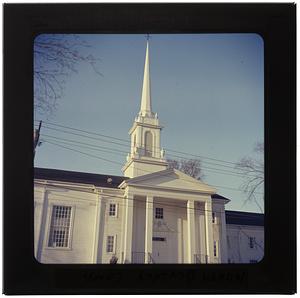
237,211
71,171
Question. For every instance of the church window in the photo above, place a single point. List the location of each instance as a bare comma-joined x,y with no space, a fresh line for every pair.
213,217
110,244
159,213
148,143
112,209
215,248
60,226
251,242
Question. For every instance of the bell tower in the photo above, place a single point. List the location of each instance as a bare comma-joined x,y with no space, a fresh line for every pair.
146,155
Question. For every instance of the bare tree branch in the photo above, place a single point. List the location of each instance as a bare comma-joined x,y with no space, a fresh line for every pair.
57,56
191,167
255,167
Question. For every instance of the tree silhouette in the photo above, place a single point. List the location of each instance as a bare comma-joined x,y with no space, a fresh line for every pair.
191,167
253,171
56,56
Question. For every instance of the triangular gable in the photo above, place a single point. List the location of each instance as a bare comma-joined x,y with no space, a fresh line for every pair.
170,179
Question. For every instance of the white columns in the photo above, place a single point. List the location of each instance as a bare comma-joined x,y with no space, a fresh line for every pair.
202,234
209,232
224,252
180,241
148,228
191,230
128,228
98,238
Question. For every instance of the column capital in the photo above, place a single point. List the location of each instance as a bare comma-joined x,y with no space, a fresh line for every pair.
128,194
149,198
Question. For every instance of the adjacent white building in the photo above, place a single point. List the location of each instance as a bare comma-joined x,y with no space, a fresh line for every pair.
152,214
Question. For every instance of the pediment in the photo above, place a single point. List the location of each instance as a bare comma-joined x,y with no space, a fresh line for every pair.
170,179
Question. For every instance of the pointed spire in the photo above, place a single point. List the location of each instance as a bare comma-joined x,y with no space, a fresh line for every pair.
146,108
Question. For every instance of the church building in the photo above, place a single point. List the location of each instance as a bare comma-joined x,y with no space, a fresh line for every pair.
152,214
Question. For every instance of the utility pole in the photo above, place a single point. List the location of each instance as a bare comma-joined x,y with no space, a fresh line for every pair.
36,137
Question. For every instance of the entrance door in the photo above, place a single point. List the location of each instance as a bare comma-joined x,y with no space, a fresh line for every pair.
163,249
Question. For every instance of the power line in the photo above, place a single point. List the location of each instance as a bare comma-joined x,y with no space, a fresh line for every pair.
81,135
118,163
134,199
88,132
225,170
98,157
119,144
213,170
141,201
89,144
126,141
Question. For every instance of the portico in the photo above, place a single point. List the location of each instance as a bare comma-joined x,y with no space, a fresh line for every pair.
184,225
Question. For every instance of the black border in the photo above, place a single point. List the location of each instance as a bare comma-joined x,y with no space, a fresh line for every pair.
276,24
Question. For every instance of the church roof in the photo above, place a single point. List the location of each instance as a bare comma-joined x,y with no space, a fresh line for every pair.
79,177
216,196
111,181
244,218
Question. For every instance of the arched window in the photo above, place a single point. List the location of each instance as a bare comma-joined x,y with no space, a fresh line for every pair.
148,143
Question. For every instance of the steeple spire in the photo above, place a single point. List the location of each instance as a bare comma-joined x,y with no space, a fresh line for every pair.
146,108
146,154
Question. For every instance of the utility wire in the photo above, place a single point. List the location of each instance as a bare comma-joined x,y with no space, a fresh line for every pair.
118,163
127,146
137,200
88,144
81,146
232,172
127,141
74,143
125,198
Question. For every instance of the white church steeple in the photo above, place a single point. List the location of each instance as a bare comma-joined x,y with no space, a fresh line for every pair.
146,108
146,155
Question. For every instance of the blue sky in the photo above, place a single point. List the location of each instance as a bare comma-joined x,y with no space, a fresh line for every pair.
208,91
